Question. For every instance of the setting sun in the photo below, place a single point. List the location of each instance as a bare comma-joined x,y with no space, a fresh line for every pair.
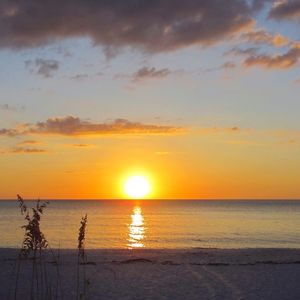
137,187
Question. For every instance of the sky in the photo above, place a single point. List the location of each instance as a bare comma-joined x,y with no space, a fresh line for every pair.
201,97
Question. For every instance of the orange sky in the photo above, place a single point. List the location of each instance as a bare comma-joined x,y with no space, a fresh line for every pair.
214,165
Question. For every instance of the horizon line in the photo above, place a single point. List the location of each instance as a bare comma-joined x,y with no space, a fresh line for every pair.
155,199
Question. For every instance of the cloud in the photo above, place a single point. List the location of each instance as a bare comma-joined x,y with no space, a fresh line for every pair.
83,76
264,37
234,128
280,61
150,73
28,142
20,150
229,65
153,26
8,132
259,4
79,77
8,107
42,67
297,81
217,130
285,9
236,51
74,126
82,145
23,150
147,73
286,60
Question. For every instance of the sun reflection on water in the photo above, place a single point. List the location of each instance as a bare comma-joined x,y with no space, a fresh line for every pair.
136,229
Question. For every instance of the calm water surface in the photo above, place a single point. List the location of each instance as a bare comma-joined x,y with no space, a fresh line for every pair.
162,224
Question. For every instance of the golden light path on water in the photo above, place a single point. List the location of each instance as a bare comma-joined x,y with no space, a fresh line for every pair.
136,229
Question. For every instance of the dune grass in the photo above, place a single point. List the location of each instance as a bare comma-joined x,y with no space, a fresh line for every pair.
33,250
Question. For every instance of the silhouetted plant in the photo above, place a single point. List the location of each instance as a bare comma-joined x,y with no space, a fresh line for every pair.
34,239
81,238
81,258
34,242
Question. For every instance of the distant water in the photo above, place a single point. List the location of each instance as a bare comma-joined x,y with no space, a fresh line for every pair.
162,224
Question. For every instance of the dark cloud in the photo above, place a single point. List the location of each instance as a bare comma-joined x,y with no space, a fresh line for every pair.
285,9
42,67
280,61
235,128
264,37
259,4
148,73
74,126
154,26
8,132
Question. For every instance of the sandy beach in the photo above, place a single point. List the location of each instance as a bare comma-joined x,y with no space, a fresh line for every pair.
165,274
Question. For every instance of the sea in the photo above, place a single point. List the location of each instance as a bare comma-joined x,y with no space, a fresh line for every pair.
160,224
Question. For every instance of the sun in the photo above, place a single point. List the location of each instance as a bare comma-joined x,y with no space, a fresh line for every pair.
137,187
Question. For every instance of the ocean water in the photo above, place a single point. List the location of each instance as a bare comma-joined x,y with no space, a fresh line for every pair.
161,224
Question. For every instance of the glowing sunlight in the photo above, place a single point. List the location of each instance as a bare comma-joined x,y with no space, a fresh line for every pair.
137,187
136,229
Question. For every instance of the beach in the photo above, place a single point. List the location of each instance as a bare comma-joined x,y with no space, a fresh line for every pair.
162,274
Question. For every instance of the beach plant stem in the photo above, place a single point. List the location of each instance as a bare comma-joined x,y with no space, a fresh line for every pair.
81,257
34,243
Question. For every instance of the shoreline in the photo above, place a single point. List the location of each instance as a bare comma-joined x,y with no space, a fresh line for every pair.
199,256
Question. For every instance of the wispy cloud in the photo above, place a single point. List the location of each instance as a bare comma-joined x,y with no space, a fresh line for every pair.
42,67
81,145
237,51
12,108
22,150
28,142
84,76
8,132
150,73
229,65
264,37
253,57
216,130
74,126
79,77
280,61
